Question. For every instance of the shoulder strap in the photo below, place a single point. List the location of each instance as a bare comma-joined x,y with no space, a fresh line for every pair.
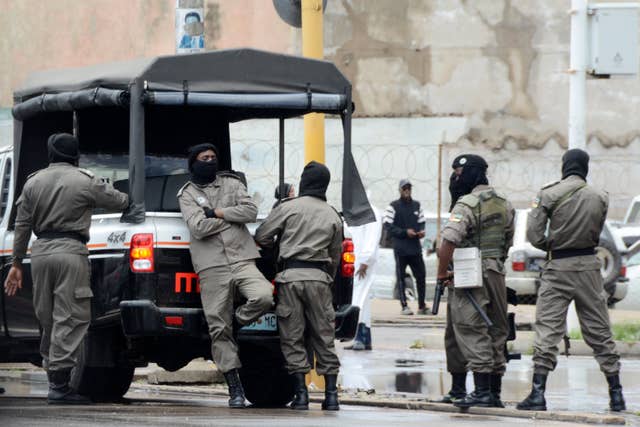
470,200
566,197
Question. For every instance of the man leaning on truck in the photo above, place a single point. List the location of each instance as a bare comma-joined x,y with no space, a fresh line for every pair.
216,207
56,204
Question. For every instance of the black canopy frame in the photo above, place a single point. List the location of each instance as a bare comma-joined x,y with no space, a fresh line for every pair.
231,85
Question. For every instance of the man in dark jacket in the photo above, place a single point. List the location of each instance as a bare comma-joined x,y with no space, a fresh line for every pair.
404,220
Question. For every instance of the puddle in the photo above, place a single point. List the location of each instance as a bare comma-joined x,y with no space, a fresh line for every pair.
576,385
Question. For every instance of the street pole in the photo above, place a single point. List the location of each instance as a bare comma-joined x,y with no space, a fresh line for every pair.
312,47
578,75
577,100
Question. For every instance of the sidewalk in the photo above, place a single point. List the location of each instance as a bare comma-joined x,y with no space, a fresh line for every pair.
430,335
386,311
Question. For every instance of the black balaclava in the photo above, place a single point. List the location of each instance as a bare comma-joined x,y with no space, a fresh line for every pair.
474,173
287,189
315,180
63,147
202,172
575,162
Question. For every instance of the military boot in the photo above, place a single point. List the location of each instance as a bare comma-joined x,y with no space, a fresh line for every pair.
330,402
236,392
301,399
616,399
60,393
535,401
458,388
481,396
496,389
359,340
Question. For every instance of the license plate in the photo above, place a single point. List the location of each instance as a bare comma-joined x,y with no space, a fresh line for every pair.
266,322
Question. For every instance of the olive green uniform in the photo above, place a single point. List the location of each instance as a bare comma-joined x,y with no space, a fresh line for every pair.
223,254
310,231
59,199
456,363
568,216
482,219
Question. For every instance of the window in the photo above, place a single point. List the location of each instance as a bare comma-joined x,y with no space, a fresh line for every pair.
6,185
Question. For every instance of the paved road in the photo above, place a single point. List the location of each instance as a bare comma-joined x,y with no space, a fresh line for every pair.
171,410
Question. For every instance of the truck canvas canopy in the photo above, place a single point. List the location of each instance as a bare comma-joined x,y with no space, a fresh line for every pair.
168,103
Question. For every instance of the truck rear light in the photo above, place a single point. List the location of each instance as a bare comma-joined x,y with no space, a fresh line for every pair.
518,261
141,253
173,320
348,258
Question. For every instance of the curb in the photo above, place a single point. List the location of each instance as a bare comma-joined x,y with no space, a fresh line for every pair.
562,416
434,340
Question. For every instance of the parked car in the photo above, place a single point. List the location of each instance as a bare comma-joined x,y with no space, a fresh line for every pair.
385,274
629,228
525,263
135,121
632,299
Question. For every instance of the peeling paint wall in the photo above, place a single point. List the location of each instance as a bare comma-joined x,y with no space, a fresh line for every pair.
500,63
499,66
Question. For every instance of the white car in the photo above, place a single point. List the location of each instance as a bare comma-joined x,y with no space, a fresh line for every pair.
629,228
385,271
525,263
632,300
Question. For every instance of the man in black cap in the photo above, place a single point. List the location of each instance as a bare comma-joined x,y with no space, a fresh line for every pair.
56,204
216,207
566,220
480,218
404,220
310,233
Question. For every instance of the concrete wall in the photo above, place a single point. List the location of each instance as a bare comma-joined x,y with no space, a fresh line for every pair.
494,68
39,34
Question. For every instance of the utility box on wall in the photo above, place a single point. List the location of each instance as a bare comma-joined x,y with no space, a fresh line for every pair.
613,44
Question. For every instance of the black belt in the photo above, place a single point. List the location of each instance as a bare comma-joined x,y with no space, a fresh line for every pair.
63,235
296,263
568,253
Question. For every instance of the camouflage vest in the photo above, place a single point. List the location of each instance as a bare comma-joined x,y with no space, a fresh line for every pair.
490,210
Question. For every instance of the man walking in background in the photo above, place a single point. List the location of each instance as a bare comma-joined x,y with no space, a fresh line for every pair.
404,220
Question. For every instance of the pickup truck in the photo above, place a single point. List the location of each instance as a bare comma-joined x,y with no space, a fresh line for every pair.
134,132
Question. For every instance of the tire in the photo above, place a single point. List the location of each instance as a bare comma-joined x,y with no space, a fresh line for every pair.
264,377
611,264
101,383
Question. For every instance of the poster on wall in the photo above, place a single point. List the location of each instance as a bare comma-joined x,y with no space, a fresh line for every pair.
189,26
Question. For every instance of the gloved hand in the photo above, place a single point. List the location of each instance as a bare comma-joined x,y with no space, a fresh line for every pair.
209,213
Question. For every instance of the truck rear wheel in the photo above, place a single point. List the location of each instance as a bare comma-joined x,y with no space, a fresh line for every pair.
264,377
100,373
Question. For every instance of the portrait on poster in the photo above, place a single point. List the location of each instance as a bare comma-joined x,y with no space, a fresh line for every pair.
189,30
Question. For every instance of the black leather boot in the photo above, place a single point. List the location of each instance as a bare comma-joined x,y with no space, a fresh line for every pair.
616,399
458,388
59,391
236,392
496,389
535,401
481,396
301,399
330,402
